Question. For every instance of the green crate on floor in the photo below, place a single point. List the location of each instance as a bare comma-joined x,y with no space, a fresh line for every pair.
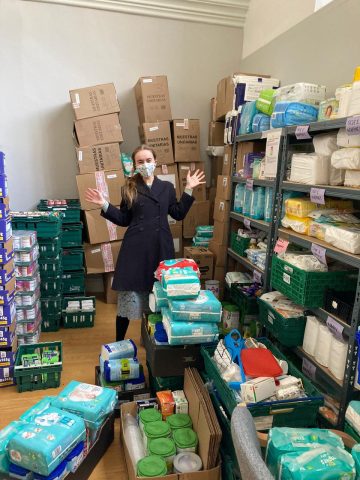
51,286
288,331
157,384
239,244
46,224
49,247
72,235
41,377
78,318
51,305
51,322
73,282
297,413
50,267
70,208
307,288
72,258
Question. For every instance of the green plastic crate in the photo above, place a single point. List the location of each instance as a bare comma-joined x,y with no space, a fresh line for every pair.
296,413
51,305
51,322
51,286
72,235
49,247
73,282
78,318
50,267
248,305
37,378
157,384
70,210
288,331
307,288
239,244
46,224
72,258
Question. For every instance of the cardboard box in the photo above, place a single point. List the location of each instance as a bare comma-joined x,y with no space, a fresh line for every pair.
216,133
213,109
111,296
258,389
223,188
199,193
220,253
169,173
94,101
204,258
186,140
227,161
100,230
153,99
211,195
158,137
108,182
221,210
98,130
197,215
221,232
98,157
216,170
176,232
101,258
246,147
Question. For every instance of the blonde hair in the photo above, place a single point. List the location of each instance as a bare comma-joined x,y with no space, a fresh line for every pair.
129,191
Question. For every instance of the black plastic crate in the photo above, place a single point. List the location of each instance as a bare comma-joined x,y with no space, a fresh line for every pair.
340,304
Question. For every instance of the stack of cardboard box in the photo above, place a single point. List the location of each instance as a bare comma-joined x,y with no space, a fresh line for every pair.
97,134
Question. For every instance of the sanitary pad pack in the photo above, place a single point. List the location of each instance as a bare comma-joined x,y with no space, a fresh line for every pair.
260,123
293,113
205,308
248,112
181,283
346,158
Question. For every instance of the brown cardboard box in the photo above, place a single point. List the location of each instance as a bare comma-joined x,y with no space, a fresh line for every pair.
221,210
219,274
98,157
199,193
244,148
100,230
216,170
223,188
176,232
197,215
213,109
216,133
227,161
158,137
220,253
221,232
94,101
211,195
111,295
153,99
204,258
186,140
108,182
98,130
169,173
186,242
102,257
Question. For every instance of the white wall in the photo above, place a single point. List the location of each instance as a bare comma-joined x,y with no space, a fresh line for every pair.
45,50
324,48
267,19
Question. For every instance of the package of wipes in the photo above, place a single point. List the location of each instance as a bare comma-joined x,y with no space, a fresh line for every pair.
189,333
205,308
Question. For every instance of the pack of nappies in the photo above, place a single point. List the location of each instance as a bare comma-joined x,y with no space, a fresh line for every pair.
36,410
257,204
90,402
260,123
269,198
121,369
45,442
189,333
355,453
298,224
239,197
346,158
343,237
345,140
353,415
6,434
158,298
325,143
181,283
205,231
265,103
117,350
248,112
166,265
205,308
293,113
352,178
309,93
310,168
300,207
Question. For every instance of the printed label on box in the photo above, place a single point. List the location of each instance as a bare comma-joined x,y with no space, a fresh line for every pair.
335,327
147,80
353,125
153,129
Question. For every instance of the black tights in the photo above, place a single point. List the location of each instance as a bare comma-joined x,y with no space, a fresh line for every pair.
122,324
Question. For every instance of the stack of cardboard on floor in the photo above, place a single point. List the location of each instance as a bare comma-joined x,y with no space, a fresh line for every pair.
97,134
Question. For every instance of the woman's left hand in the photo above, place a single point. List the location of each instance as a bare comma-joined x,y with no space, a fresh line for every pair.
192,181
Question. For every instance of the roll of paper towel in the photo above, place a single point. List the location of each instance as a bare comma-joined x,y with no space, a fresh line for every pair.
338,357
323,348
311,335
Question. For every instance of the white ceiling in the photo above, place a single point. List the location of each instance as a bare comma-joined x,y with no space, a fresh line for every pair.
231,13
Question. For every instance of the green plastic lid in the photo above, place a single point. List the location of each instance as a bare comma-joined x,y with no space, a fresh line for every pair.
149,415
154,318
157,429
185,438
151,466
231,308
179,420
165,447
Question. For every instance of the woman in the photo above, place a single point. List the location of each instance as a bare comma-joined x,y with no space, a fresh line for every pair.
146,203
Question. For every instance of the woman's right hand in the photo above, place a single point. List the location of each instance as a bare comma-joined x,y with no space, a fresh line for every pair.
94,196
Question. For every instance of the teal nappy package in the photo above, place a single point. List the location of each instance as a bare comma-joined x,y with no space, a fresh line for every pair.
205,231
43,444
37,409
355,452
257,204
181,283
205,308
248,111
6,434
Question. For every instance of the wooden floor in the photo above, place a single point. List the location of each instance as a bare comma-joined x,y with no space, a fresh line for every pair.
81,348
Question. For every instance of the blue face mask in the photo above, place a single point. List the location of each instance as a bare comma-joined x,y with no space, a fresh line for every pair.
146,169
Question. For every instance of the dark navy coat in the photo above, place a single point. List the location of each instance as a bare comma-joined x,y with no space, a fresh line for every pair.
148,239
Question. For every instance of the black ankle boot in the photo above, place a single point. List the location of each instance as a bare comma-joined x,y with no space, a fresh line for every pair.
122,324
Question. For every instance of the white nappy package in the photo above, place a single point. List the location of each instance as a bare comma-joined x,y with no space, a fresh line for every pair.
205,308
325,144
352,178
338,358
353,415
346,238
311,335
323,350
310,168
346,158
354,104
343,95
306,262
301,92
345,140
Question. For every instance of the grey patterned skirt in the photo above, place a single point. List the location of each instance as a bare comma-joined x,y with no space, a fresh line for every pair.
133,304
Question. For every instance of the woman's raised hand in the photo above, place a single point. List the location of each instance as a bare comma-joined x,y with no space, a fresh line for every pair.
192,181
94,196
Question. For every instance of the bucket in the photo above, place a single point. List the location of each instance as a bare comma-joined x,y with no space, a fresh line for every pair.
213,286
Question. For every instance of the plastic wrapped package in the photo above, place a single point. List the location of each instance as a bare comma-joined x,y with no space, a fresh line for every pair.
181,283
346,158
257,205
343,95
249,87
328,109
310,169
300,207
336,176
166,265
309,93
304,261
249,159
121,369
189,333
311,335
260,123
352,178
239,197
325,143
205,308
346,238
269,197
298,224
323,348
247,202
205,231
5,436
158,298
293,113
248,112
355,452
345,140
353,415
337,362
354,104
265,102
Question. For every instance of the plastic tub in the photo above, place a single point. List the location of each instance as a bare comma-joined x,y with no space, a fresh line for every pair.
179,420
187,462
186,440
165,448
151,466
148,415
155,430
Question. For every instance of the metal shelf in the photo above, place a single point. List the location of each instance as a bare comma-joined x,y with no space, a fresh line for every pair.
320,370
257,182
244,261
342,192
333,252
320,126
251,136
323,316
259,224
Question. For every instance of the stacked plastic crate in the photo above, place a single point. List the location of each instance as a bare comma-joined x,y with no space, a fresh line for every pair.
27,297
